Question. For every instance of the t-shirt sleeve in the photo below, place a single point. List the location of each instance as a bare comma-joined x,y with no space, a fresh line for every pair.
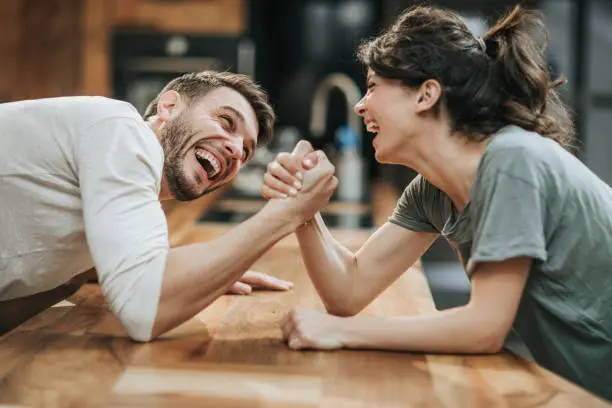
411,209
120,166
508,211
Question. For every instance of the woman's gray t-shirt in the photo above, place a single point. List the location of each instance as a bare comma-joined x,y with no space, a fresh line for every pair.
533,198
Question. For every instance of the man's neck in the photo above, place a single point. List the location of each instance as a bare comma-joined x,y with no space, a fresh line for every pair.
156,125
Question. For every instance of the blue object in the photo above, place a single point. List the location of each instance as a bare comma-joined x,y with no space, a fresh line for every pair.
347,139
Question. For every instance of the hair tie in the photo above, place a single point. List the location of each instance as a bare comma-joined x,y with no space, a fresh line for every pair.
482,44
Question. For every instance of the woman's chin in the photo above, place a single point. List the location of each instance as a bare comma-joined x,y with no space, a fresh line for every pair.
380,157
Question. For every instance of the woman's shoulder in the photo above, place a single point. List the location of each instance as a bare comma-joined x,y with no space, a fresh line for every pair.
422,187
514,140
514,150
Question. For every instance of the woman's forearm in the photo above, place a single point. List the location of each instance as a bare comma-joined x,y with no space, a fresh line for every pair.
457,330
329,264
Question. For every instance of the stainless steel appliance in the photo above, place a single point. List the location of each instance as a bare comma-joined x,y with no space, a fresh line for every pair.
143,62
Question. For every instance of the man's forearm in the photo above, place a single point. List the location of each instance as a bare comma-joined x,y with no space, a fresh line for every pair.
456,330
329,264
198,274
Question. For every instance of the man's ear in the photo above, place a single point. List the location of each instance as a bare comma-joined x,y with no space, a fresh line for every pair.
429,94
169,105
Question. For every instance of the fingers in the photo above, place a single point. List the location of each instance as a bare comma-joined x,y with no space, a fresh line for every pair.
274,188
333,184
291,164
285,319
302,148
283,177
262,280
295,342
239,288
321,172
291,333
269,193
287,327
286,174
310,161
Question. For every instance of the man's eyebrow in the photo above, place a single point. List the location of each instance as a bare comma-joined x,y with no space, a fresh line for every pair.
235,111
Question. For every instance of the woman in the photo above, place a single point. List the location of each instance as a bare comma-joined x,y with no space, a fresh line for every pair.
481,122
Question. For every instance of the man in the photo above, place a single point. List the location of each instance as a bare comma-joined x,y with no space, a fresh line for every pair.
81,179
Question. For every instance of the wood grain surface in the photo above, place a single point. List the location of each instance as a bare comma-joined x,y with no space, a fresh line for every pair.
76,354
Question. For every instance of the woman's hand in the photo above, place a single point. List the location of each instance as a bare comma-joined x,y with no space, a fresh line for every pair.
285,175
311,329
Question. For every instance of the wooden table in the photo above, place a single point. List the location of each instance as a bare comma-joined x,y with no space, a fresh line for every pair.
231,355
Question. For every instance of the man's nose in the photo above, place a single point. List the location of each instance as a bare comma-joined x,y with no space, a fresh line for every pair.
234,148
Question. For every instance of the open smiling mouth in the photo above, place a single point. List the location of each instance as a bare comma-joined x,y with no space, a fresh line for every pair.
209,163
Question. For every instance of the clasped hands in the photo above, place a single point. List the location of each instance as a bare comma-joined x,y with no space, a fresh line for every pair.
304,179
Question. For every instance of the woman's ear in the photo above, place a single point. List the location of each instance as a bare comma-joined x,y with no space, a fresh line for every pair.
429,94
168,105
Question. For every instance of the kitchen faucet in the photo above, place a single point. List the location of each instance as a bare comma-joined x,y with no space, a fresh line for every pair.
352,94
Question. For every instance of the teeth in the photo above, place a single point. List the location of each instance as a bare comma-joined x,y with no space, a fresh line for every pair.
209,157
372,128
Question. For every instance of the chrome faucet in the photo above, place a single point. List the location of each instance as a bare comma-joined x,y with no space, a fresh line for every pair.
352,94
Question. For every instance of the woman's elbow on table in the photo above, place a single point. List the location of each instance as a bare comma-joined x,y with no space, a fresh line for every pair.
340,310
488,337
491,342
347,307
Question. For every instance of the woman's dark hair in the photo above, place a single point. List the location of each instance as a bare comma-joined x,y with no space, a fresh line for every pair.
487,83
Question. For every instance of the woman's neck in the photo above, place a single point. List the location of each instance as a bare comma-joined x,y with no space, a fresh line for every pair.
448,161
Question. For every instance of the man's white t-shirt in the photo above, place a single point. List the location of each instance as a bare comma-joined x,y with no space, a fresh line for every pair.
79,185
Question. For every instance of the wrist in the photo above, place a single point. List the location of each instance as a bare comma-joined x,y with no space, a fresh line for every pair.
309,223
281,217
350,331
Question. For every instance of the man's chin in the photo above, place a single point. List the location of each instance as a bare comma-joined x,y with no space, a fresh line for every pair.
190,195
184,192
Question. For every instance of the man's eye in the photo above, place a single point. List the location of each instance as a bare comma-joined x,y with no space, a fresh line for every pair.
229,122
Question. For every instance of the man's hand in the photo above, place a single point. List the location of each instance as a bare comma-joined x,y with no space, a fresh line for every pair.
257,280
316,187
285,175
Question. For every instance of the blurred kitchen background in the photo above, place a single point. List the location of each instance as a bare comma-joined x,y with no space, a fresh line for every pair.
303,53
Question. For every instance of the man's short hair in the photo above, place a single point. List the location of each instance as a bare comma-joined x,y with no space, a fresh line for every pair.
195,85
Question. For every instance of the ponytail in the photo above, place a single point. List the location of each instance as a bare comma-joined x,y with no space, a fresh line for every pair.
529,97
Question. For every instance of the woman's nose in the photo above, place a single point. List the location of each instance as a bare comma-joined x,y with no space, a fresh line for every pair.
360,107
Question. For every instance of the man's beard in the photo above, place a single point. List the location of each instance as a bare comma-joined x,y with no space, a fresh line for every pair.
174,138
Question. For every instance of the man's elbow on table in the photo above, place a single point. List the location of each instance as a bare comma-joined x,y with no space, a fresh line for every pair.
137,313
137,326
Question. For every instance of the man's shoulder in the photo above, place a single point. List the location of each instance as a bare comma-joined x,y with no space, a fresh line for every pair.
98,108
60,102
78,111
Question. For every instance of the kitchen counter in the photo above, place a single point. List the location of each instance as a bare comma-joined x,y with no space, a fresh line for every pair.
232,355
